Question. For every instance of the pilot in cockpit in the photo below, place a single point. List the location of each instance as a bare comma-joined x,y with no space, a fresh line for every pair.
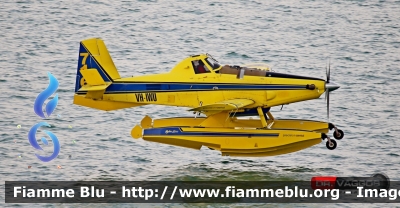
199,67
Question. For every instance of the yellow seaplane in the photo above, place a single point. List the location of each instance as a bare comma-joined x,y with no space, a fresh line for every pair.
223,93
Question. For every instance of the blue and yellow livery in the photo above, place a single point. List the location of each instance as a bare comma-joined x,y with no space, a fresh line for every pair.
221,93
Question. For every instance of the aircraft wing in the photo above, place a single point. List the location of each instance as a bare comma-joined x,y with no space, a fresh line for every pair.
225,105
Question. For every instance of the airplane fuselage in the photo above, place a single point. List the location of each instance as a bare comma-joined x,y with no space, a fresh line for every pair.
194,82
220,92
204,89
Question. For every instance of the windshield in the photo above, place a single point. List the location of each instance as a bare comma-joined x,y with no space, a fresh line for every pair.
214,64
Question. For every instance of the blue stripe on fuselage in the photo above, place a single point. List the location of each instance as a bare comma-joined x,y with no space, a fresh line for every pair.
178,131
137,87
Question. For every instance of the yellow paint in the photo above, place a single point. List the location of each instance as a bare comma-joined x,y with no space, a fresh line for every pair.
84,67
243,145
262,117
216,120
232,123
146,122
225,105
136,132
275,151
94,88
82,82
171,98
215,103
95,95
85,55
99,51
184,72
101,104
92,77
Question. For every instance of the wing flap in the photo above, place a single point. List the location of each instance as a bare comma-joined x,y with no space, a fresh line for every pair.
225,105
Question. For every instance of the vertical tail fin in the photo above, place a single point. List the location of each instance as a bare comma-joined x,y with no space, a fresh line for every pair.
96,70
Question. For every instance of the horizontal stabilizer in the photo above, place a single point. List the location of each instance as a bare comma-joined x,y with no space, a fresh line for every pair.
225,105
94,88
95,85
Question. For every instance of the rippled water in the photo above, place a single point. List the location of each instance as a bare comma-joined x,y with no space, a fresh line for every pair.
360,38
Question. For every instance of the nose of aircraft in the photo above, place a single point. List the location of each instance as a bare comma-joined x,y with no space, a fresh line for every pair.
331,86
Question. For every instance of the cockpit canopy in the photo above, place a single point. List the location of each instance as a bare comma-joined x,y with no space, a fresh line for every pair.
213,63
200,67
205,63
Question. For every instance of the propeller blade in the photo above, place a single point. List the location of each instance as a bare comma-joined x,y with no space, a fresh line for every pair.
326,73
327,87
329,72
327,103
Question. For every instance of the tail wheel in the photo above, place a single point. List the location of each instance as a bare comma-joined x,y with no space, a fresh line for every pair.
331,144
339,134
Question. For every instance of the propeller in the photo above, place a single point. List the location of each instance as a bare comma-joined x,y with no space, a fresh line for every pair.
329,86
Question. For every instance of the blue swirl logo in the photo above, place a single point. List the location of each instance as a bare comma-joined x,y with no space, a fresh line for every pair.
34,143
51,105
38,108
